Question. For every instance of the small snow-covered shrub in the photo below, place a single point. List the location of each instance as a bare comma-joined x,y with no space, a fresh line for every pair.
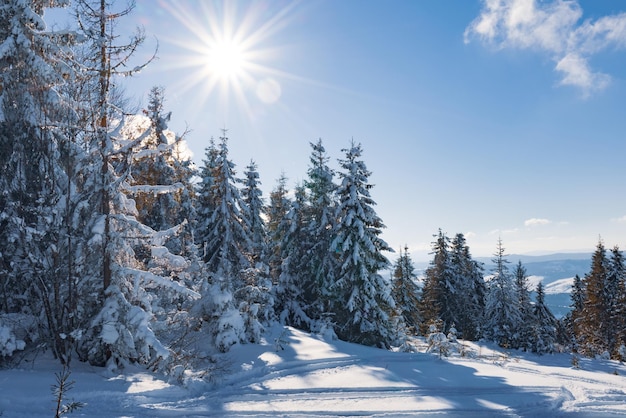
437,342
15,329
8,342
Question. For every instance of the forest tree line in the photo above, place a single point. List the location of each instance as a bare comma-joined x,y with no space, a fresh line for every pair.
116,249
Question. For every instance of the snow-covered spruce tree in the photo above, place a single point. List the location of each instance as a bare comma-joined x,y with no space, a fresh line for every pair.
322,264
121,330
593,332
161,185
574,316
502,316
253,199
279,205
405,291
471,289
255,297
544,324
292,305
438,293
160,166
226,243
204,204
524,335
615,291
34,278
362,298
226,246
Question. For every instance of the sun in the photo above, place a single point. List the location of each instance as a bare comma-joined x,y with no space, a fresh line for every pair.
226,53
226,60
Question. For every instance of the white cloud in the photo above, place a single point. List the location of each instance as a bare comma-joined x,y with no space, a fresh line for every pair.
554,28
536,222
576,72
621,220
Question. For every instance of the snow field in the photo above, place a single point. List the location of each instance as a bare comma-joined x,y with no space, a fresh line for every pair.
312,377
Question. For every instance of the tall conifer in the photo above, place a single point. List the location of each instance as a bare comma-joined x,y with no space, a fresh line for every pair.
362,298
502,316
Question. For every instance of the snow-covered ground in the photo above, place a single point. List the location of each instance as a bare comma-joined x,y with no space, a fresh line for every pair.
313,377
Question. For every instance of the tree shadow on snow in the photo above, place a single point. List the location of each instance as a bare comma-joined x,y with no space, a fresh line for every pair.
310,376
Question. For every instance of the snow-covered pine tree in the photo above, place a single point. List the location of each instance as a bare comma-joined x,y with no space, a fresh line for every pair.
362,297
226,247
292,304
204,205
152,166
161,186
438,293
502,316
544,325
253,199
277,210
593,332
255,297
405,291
322,264
573,318
616,275
226,244
471,284
121,328
34,183
524,335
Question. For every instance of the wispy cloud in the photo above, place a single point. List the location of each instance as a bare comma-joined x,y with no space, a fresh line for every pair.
536,222
621,220
554,28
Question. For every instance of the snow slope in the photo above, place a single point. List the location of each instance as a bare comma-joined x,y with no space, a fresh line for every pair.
312,377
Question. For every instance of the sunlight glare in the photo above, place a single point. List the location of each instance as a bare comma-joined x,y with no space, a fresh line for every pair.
224,54
226,60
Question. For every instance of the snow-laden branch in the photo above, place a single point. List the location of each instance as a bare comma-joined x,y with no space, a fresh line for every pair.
153,189
147,276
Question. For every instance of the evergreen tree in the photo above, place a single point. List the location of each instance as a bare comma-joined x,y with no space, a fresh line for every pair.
471,289
276,229
616,276
237,292
34,184
524,334
405,291
574,316
593,332
438,291
255,297
252,198
204,204
293,306
321,262
544,325
226,242
502,316
151,167
362,301
121,327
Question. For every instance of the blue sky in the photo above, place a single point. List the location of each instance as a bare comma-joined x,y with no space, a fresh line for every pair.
492,118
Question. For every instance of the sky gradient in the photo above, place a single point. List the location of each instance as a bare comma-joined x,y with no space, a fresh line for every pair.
492,118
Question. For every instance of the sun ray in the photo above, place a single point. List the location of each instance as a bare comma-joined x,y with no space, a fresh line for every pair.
230,57
223,54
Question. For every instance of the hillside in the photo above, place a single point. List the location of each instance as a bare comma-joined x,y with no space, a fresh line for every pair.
313,377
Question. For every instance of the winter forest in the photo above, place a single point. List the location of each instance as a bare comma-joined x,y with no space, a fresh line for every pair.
115,249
